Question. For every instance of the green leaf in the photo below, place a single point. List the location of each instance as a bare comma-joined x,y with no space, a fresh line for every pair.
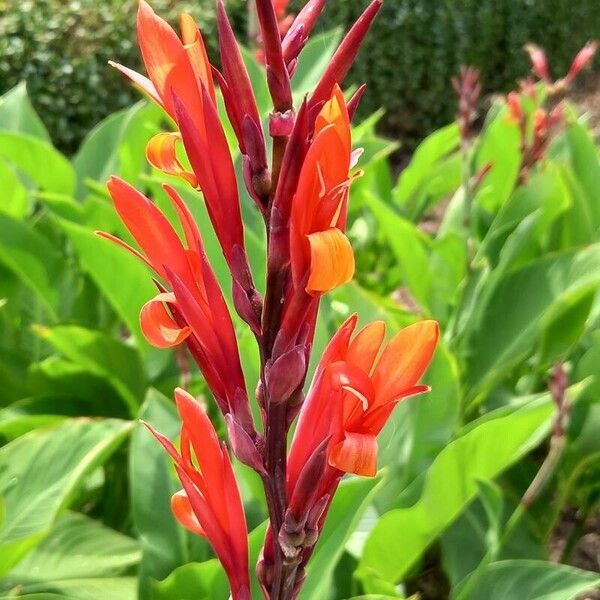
77,549
348,504
485,449
122,279
116,145
424,166
39,473
194,581
163,540
533,580
17,114
586,165
500,147
505,330
32,259
313,60
28,153
102,355
14,200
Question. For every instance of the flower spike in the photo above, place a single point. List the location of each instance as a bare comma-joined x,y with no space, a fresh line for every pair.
209,504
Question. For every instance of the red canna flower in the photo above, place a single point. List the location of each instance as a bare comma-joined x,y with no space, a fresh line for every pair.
209,504
196,312
539,62
357,384
582,60
318,245
180,80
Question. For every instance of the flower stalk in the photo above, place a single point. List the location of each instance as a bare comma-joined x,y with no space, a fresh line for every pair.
302,194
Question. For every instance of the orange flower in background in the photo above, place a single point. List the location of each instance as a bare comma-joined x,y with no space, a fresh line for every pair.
357,385
318,244
209,504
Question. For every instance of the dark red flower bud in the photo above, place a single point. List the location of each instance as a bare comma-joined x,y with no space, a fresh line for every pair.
285,375
354,102
243,446
301,28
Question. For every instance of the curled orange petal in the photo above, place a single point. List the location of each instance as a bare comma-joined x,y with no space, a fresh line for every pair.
182,509
196,51
331,260
161,153
357,453
158,326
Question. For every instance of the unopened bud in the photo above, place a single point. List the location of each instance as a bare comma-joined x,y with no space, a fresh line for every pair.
539,62
285,375
582,60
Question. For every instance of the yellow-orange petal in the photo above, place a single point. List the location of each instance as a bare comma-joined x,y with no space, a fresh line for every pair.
196,51
356,453
182,509
331,260
161,152
158,326
404,360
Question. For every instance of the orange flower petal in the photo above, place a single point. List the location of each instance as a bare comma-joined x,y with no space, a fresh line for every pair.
365,347
158,326
196,51
404,360
357,453
182,509
161,152
331,260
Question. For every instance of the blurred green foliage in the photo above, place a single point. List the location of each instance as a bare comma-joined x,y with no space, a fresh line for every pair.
61,49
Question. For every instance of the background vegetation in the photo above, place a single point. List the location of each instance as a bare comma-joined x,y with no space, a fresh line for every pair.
61,47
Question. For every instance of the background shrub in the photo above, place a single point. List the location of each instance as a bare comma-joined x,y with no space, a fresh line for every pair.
416,46
61,49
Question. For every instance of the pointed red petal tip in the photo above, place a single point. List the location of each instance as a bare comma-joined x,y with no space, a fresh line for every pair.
344,56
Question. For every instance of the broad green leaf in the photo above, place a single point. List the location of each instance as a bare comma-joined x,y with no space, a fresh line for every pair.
485,449
313,60
424,166
77,548
533,580
586,165
39,473
348,504
122,279
500,147
193,581
28,153
17,114
115,588
162,539
14,200
410,247
505,330
32,259
102,355
116,145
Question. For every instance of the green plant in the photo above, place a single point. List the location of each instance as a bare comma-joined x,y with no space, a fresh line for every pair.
62,48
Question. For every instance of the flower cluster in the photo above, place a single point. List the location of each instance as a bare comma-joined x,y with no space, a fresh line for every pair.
302,193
